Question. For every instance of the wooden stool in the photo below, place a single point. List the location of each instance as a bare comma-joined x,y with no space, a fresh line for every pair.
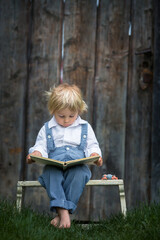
119,183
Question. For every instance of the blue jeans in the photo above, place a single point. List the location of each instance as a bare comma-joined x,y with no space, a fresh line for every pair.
64,188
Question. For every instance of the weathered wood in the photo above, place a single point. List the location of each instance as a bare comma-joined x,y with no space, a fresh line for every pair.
13,79
110,98
19,197
122,198
44,72
90,183
96,51
44,61
139,106
155,172
119,183
79,62
79,47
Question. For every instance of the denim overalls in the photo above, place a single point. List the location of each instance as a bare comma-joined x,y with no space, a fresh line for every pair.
64,188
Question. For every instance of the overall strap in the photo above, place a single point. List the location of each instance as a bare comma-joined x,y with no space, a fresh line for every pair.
49,137
84,134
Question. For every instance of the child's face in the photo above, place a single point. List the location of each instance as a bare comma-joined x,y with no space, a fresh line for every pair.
65,117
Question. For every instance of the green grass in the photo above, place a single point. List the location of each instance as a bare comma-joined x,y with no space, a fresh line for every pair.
139,224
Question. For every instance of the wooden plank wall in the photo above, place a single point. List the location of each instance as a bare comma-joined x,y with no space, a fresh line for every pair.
108,52
110,99
45,61
13,70
139,105
155,164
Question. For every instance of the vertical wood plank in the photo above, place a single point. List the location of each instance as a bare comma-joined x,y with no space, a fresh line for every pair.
139,106
44,72
79,47
13,78
110,100
79,62
155,172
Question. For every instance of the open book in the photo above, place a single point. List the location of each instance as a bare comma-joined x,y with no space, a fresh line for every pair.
64,165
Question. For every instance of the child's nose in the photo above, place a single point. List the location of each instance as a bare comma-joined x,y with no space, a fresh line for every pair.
66,120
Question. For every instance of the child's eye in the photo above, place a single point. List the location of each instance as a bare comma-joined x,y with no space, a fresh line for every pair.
61,116
71,116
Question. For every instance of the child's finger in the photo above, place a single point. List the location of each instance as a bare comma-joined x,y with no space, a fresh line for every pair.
100,161
28,159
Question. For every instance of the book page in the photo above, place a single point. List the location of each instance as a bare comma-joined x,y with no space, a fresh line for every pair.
64,165
47,161
88,160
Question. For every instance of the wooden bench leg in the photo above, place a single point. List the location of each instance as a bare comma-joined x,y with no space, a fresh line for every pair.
19,197
122,199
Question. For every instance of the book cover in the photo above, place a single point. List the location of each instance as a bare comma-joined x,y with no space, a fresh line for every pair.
64,165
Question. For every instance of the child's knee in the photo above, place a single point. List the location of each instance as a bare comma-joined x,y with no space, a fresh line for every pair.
80,173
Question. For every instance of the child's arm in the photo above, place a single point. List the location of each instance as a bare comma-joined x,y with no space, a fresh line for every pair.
99,162
35,153
92,147
39,149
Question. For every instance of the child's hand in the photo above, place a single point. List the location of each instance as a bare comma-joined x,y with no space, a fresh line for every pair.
99,162
35,153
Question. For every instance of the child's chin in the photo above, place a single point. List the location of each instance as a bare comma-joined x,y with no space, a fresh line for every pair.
66,125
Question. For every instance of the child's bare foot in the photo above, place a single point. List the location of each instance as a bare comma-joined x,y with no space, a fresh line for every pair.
65,221
55,221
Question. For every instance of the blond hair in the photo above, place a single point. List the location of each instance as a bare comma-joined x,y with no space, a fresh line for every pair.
65,96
